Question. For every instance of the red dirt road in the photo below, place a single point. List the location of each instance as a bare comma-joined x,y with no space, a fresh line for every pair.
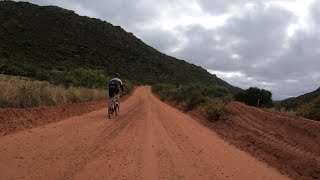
149,140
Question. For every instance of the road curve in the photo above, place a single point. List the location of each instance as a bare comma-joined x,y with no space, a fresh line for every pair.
149,140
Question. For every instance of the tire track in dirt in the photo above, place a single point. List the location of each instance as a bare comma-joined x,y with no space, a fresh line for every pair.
104,144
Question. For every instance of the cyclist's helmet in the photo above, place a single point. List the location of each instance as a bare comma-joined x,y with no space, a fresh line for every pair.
117,75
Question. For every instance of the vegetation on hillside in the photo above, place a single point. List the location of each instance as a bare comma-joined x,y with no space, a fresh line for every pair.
291,104
295,103
211,99
50,43
78,77
306,105
255,97
311,110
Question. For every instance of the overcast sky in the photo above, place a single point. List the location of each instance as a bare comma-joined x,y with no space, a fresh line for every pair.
271,44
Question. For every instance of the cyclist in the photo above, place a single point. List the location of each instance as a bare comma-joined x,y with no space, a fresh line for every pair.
114,85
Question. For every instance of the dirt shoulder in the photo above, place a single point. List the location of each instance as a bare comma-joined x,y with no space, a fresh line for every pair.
18,119
288,143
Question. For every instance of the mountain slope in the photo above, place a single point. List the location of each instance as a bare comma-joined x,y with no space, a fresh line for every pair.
295,103
308,97
53,38
305,98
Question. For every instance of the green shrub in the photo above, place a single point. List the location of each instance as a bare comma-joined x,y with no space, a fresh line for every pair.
191,95
11,69
216,109
290,104
166,92
85,78
128,86
183,93
42,75
193,101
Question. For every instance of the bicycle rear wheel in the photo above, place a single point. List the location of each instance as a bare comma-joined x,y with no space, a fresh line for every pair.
111,111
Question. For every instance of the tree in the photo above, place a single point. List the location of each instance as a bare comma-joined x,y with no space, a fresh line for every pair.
255,97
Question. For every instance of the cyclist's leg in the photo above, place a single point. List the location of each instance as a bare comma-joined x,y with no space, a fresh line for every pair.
118,99
117,95
110,103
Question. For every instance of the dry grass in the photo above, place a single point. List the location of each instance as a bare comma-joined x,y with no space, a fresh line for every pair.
23,92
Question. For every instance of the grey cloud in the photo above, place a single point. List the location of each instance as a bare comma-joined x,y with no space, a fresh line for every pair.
300,62
259,33
255,36
219,6
200,47
160,39
315,12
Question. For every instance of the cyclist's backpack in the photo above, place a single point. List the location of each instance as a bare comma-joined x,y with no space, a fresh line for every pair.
113,83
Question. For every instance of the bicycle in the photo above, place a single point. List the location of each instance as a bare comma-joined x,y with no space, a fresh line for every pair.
114,106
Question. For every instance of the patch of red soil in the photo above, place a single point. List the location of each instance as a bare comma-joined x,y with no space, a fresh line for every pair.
18,119
288,143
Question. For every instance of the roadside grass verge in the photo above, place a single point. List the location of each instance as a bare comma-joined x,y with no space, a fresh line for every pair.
20,92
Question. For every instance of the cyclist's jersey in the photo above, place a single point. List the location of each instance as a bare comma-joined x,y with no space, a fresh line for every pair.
114,84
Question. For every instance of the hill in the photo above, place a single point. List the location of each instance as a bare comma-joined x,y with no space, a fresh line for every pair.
294,103
308,97
38,40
